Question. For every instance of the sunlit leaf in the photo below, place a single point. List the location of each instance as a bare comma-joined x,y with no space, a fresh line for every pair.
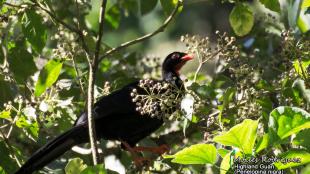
48,76
301,67
273,5
225,164
302,156
305,4
223,152
241,19
31,126
263,143
34,30
196,154
285,121
5,115
242,136
75,166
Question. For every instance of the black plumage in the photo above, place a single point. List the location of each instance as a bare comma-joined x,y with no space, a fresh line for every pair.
116,118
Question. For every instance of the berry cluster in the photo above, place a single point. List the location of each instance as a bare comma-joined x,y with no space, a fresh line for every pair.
156,99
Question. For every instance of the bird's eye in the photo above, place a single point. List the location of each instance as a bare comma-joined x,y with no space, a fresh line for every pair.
175,56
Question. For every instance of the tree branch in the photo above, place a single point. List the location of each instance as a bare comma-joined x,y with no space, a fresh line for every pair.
147,36
93,66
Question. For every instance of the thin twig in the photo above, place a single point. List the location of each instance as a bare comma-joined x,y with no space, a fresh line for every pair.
93,66
12,5
145,37
78,75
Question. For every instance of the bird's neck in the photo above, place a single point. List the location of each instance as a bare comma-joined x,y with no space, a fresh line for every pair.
172,77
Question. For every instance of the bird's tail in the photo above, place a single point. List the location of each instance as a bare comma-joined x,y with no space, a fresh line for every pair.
53,149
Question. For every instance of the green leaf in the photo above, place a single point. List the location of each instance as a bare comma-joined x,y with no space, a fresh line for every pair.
241,19
273,5
228,96
113,16
105,65
196,154
285,121
75,166
303,20
34,30
147,6
92,18
5,115
169,5
98,169
225,164
21,63
302,156
223,152
303,139
301,67
305,4
31,126
306,170
8,90
7,163
48,76
242,136
262,143
301,87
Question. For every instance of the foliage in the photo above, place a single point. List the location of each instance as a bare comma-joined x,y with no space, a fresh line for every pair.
255,103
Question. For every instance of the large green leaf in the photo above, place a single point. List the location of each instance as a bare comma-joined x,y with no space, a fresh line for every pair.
147,6
241,19
297,157
75,166
273,5
48,76
196,154
34,30
242,136
21,63
285,121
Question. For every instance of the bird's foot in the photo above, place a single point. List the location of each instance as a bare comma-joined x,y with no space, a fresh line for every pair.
158,150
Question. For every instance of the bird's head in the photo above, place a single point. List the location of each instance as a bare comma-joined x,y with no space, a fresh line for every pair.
175,61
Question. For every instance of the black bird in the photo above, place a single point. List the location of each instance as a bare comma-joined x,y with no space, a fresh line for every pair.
116,118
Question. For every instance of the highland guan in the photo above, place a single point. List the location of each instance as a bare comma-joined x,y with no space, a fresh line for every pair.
116,118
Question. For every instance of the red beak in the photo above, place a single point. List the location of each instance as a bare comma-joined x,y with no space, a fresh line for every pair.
187,57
